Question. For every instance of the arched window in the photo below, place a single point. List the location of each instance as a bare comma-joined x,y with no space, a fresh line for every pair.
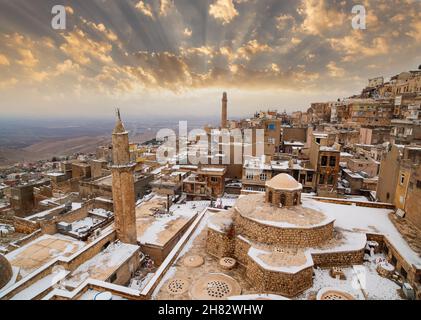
283,199
296,199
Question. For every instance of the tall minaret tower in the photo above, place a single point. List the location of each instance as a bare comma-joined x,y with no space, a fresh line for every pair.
123,185
224,110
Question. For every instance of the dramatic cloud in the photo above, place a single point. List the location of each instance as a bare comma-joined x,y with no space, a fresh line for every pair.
223,10
130,50
146,9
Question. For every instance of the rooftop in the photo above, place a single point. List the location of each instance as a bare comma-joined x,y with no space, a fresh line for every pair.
284,181
254,207
39,252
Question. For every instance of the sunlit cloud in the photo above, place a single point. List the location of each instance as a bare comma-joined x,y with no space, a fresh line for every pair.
133,49
223,11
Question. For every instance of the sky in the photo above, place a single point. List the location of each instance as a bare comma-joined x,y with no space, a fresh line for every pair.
174,58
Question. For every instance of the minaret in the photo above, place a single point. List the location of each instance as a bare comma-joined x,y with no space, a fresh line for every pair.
123,185
224,110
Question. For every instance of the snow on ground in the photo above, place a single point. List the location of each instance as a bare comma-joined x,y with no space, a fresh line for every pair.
360,280
168,275
368,220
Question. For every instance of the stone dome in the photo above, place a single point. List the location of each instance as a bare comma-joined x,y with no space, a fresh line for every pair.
6,271
284,181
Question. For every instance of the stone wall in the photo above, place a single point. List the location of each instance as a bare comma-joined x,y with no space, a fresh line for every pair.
24,226
219,244
337,259
285,284
283,197
240,251
300,237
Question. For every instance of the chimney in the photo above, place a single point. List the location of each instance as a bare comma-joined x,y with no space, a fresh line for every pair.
224,110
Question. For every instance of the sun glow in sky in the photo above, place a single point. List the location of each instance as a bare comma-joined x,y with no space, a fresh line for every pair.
175,57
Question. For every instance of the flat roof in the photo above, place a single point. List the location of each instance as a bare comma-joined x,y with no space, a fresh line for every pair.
102,265
41,251
159,229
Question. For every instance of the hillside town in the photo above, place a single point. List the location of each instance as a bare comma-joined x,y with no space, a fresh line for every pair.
322,204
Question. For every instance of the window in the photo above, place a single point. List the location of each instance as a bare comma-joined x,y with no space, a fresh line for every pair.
322,179
324,161
309,177
402,179
249,175
330,180
271,127
418,184
270,197
214,179
263,177
271,140
283,199
332,161
296,199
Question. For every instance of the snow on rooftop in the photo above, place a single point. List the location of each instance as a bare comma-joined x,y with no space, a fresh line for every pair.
289,263
213,169
102,265
75,206
40,286
367,220
55,174
186,211
101,212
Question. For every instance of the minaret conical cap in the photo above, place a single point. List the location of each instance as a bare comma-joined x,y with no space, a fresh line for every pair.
119,127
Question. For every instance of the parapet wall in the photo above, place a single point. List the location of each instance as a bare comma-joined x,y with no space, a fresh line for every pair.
338,259
220,245
299,237
287,284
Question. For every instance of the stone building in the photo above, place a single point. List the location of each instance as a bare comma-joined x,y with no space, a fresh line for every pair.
325,158
272,235
398,165
207,183
123,185
374,135
405,131
319,112
22,199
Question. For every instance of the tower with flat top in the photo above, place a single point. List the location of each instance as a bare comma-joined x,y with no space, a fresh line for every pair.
123,185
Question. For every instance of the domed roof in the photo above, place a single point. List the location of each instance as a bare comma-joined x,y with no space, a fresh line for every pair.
284,181
6,271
